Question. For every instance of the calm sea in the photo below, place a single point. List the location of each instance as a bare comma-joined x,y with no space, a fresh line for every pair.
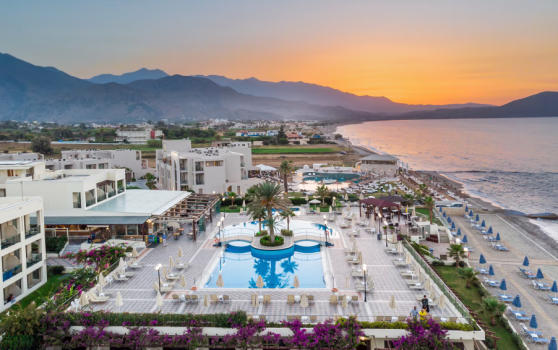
512,163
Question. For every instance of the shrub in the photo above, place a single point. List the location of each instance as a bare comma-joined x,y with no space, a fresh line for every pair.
261,233
133,179
19,342
298,201
55,244
286,232
55,270
438,263
265,241
155,143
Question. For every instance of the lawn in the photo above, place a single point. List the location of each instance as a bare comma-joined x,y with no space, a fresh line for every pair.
226,209
425,212
294,150
471,298
41,293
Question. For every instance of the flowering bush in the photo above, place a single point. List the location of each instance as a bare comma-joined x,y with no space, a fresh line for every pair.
99,258
424,335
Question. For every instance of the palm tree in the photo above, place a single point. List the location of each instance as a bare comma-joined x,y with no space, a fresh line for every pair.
287,215
261,215
430,205
423,189
322,192
267,196
456,251
285,169
493,307
232,196
409,199
469,274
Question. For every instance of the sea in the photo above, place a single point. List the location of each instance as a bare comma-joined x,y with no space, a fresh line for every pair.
510,162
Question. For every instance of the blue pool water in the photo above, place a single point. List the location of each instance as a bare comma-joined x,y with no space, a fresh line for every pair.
297,226
240,266
313,176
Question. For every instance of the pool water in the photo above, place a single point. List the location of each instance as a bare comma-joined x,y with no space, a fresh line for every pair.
297,226
240,267
329,176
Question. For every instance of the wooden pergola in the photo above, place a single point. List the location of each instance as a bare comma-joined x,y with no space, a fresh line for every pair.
372,203
191,209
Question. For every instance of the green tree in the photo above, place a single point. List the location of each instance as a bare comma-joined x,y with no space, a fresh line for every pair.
493,307
151,180
423,189
322,192
232,196
456,251
409,199
285,169
430,205
287,215
469,274
281,134
41,144
267,196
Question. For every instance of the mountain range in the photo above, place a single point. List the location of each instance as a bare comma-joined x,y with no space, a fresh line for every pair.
29,92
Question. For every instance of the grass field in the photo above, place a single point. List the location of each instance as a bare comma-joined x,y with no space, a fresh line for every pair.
295,150
424,211
41,293
471,298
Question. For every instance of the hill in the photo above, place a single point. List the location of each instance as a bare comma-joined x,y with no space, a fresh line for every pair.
126,78
324,96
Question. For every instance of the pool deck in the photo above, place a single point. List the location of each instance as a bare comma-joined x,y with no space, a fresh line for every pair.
139,295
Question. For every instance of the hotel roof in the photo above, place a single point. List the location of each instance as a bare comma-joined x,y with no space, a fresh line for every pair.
379,157
139,202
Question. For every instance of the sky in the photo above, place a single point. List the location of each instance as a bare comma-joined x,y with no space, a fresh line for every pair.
419,52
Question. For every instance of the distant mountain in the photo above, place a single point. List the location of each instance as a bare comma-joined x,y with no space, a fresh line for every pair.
22,83
544,104
127,78
325,96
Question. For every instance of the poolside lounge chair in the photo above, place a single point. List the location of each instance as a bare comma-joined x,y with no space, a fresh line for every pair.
491,283
537,340
120,278
540,286
297,317
453,319
175,297
357,273
214,299
520,317
310,299
168,283
419,281
93,299
333,300
354,299
94,294
171,276
290,318
135,265
360,287
417,286
181,266
512,311
226,299
290,299
195,298
525,330
187,298
336,317
267,299
552,300
164,289
313,319
437,318
408,273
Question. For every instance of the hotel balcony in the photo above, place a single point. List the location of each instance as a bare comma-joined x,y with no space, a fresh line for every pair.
243,165
111,193
34,260
10,241
32,231
183,169
90,202
101,197
9,273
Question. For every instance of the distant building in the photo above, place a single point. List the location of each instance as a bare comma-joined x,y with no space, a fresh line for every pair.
379,164
137,135
205,170
21,156
23,251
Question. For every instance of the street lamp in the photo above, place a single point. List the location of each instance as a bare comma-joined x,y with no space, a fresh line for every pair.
385,224
364,270
224,212
379,222
159,274
325,230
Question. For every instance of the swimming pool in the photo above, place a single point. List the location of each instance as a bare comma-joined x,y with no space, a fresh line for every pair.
240,266
313,176
299,227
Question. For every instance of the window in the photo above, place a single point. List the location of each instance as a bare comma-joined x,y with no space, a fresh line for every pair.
76,197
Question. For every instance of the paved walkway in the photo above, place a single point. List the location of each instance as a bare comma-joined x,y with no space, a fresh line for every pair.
139,295
506,264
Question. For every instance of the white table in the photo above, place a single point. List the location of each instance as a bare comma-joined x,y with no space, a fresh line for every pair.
305,319
297,298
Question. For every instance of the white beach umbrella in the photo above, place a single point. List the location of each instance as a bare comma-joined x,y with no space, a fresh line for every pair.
180,252
414,212
330,209
183,281
353,223
352,238
159,301
220,283
206,301
400,247
346,196
83,299
260,283
296,282
165,272
342,213
392,304
344,304
354,248
102,281
347,283
442,303
408,260
171,264
119,302
304,302
359,257
121,264
361,196
393,238
432,290
255,301
243,203
417,271
427,284
135,253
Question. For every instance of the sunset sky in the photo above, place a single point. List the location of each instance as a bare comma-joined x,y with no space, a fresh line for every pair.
418,52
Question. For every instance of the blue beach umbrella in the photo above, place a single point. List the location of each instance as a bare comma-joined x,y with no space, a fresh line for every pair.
449,220
464,240
490,230
483,224
477,218
554,288
533,323
498,236
453,225
459,232
482,260
466,208
540,274
471,213
441,209
552,345
526,261
517,302
491,271
444,214
503,285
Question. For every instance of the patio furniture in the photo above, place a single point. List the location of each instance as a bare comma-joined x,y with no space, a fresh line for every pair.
135,265
226,299
536,339
214,299
313,319
187,298
175,297
333,300
526,330
552,300
520,317
121,278
310,299
540,286
267,299
163,289
290,299
195,298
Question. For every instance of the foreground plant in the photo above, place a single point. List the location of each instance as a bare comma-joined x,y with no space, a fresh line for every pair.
424,335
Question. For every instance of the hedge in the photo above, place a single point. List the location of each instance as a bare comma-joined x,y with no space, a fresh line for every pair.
286,232
265,241
55,244
450,326
262,233
55,270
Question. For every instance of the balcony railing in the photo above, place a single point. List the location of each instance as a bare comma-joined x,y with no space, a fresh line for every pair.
35,259
182,168
200,182
32,231
77,204
11,241
112,194
199,168
12,272
90,202
101,197
243,164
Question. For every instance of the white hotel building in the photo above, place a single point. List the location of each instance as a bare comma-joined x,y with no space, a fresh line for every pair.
23,249
205,170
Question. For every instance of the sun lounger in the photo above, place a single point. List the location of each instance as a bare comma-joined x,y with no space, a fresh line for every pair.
354,299
360,287
176,298
310,299
540,286
187,298
214,299
526,330
263,317
416,286
195,298
290,318
491,283
552,300
120,278
333,300
182,266
399,263
452,319
290,299
411,282
163,288
135,265
92,299
172,276
313,319
95,295
407,274
267,299
520,317
226,299
537,340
